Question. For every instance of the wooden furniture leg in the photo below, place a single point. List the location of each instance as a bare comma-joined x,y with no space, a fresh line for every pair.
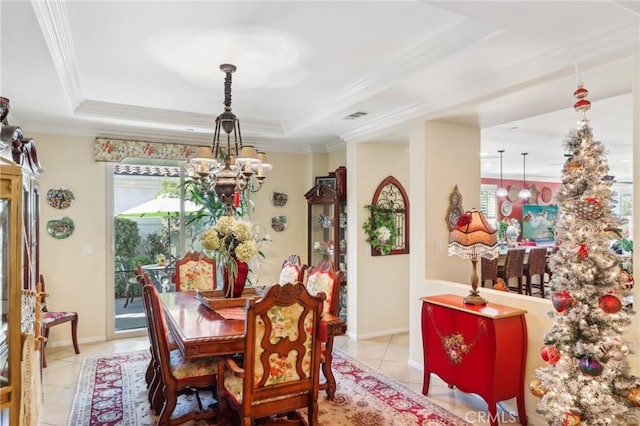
326,370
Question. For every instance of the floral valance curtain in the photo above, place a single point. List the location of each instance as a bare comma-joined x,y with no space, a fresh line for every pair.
115,150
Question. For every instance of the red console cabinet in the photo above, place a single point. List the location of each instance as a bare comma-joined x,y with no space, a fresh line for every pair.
479,349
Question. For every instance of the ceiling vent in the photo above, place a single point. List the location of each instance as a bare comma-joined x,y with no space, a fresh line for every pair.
355,115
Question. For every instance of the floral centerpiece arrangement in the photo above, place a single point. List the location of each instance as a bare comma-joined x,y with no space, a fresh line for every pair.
381,228
233,244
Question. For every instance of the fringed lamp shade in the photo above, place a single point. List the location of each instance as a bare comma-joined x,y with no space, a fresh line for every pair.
473,238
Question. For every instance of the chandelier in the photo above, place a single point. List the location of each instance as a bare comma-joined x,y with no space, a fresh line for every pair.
229,167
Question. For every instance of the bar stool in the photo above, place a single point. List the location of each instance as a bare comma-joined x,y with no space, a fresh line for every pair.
488,271
536,266
513,268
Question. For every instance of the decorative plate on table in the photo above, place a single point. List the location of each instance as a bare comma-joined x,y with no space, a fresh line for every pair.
506,208
513,193
60,198
546,193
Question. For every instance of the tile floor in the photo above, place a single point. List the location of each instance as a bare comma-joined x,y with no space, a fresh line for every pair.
386,354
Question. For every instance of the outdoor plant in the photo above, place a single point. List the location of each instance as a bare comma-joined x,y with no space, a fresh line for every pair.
381,228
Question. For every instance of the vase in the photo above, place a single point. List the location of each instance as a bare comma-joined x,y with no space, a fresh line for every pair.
240,281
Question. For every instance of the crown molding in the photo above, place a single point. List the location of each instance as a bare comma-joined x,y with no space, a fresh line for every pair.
52,17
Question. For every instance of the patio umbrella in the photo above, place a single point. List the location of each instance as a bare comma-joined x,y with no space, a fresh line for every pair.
160,207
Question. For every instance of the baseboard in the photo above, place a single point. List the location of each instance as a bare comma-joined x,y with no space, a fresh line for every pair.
377,333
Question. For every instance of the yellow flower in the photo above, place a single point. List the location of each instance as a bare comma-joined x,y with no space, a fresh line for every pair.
246,250
225,225
210,240
242,231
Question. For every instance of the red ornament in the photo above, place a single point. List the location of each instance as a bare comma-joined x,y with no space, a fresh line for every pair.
571,419
610,304
592,200
562,301
582,251
580,93
236,199
550,354
582,105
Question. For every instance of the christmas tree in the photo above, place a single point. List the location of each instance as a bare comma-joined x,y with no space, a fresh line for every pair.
587,378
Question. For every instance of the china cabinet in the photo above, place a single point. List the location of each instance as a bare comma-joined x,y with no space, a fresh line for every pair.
327,231
10,289
19,272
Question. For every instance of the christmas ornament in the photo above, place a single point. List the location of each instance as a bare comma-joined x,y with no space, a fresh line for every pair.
616,355
571,419
535,386
627,279
582,105
610,304
590,366
572,166
583,251
562,301
634,395
550,354
580,92
589,208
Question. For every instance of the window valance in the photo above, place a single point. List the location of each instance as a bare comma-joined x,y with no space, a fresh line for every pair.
115,150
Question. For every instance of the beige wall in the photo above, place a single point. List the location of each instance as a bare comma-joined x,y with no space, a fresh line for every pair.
74,268
382,282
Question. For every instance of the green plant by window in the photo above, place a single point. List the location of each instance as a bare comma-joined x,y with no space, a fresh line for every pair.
381,228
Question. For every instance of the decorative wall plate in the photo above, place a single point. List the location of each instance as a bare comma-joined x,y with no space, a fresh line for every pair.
279,222
60,228
546,194
513,193
279,198
60,197
506,207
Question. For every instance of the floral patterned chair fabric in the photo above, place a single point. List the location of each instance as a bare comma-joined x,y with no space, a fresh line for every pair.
195,271
173,375
282,357
323,278
292,270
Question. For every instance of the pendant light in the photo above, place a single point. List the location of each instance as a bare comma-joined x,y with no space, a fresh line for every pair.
524,192
501,192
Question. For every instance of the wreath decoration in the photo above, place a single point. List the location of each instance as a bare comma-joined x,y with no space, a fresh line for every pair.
381,228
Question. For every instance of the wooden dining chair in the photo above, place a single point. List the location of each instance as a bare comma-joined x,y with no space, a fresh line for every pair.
195,271
282,358
513,268
292,270
323,278
174,375
536,267
488,271
52,318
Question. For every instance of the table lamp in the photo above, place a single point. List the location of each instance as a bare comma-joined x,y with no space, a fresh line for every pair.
472,238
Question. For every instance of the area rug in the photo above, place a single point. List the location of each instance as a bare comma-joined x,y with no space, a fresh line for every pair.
111,391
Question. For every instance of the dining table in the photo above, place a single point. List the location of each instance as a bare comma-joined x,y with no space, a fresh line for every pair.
199,330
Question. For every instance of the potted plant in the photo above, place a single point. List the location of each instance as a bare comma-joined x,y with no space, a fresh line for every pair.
381,228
